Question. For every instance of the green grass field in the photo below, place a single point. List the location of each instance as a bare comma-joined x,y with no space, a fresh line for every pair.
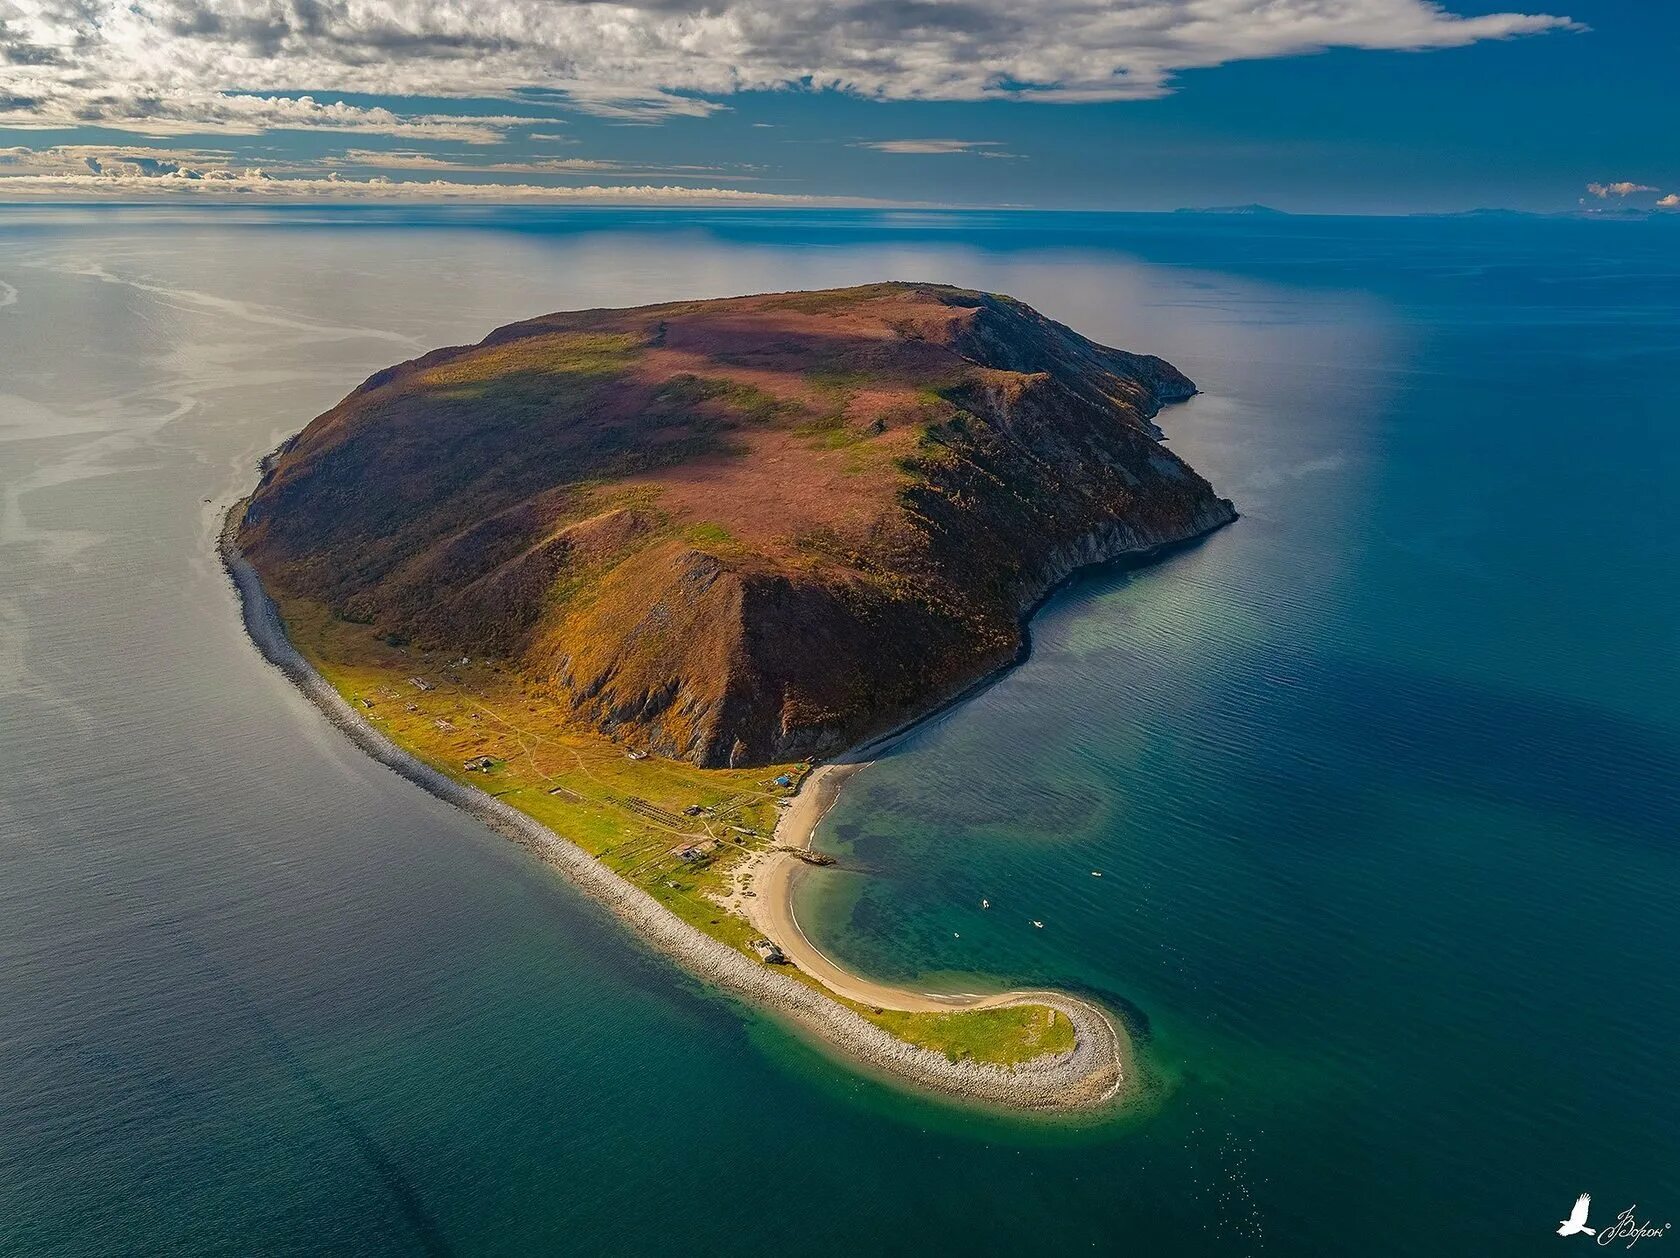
677,831
1005,1036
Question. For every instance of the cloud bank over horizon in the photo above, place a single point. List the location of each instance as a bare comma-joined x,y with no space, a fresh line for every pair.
936,148
104,172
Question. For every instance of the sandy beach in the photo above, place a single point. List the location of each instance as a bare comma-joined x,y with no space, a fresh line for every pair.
1088,1075
775,873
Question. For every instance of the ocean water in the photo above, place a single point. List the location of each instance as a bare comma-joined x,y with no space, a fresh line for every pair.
1383,781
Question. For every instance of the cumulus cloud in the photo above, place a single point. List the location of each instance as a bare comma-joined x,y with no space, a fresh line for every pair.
116,161
399,159
1624,188
116,172
404,159
128,183
181,111
181,66
1670,202
983,148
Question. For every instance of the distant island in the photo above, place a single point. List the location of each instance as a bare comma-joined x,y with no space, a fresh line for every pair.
1252,210
641,587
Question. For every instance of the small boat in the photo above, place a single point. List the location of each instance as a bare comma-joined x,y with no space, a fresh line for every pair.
985,904
1038,923
1096,873
956,934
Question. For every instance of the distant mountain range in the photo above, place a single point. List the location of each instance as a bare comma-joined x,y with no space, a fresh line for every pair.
1624,213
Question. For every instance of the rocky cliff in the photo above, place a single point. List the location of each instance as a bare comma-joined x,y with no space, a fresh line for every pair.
734,531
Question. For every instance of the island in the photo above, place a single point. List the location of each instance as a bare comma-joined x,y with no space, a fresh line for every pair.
639,588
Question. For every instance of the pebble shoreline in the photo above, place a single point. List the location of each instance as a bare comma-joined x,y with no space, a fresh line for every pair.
1086,1076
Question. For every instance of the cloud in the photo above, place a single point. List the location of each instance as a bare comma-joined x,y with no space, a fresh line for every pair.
86,172
192,112
402,159
406,160
1670,202
111,161
240,66
981,148
1625,188
126,183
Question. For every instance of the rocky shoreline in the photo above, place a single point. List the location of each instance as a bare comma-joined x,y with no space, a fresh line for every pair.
1086,1076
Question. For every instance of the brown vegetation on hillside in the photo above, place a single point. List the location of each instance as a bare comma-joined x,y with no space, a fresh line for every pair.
735,531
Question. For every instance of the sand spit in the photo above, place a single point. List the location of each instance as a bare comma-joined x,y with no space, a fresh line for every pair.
1086,1076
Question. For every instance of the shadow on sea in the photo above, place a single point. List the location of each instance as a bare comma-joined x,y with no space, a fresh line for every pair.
1548,753
896,741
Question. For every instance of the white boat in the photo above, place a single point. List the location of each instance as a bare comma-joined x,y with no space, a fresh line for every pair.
1038,923
985,904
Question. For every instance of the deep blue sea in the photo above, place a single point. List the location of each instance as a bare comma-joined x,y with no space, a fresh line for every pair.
1383,781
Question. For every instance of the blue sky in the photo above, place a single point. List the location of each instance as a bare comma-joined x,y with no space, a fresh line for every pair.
1341,106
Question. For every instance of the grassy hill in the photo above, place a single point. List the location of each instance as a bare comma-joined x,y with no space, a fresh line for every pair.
738,532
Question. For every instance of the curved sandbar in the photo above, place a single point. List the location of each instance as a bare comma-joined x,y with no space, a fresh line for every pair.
1087,1075
771,912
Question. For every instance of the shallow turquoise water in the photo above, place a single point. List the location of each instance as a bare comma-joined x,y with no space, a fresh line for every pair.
1382,780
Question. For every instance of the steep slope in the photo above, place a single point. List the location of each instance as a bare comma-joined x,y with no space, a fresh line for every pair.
734,531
